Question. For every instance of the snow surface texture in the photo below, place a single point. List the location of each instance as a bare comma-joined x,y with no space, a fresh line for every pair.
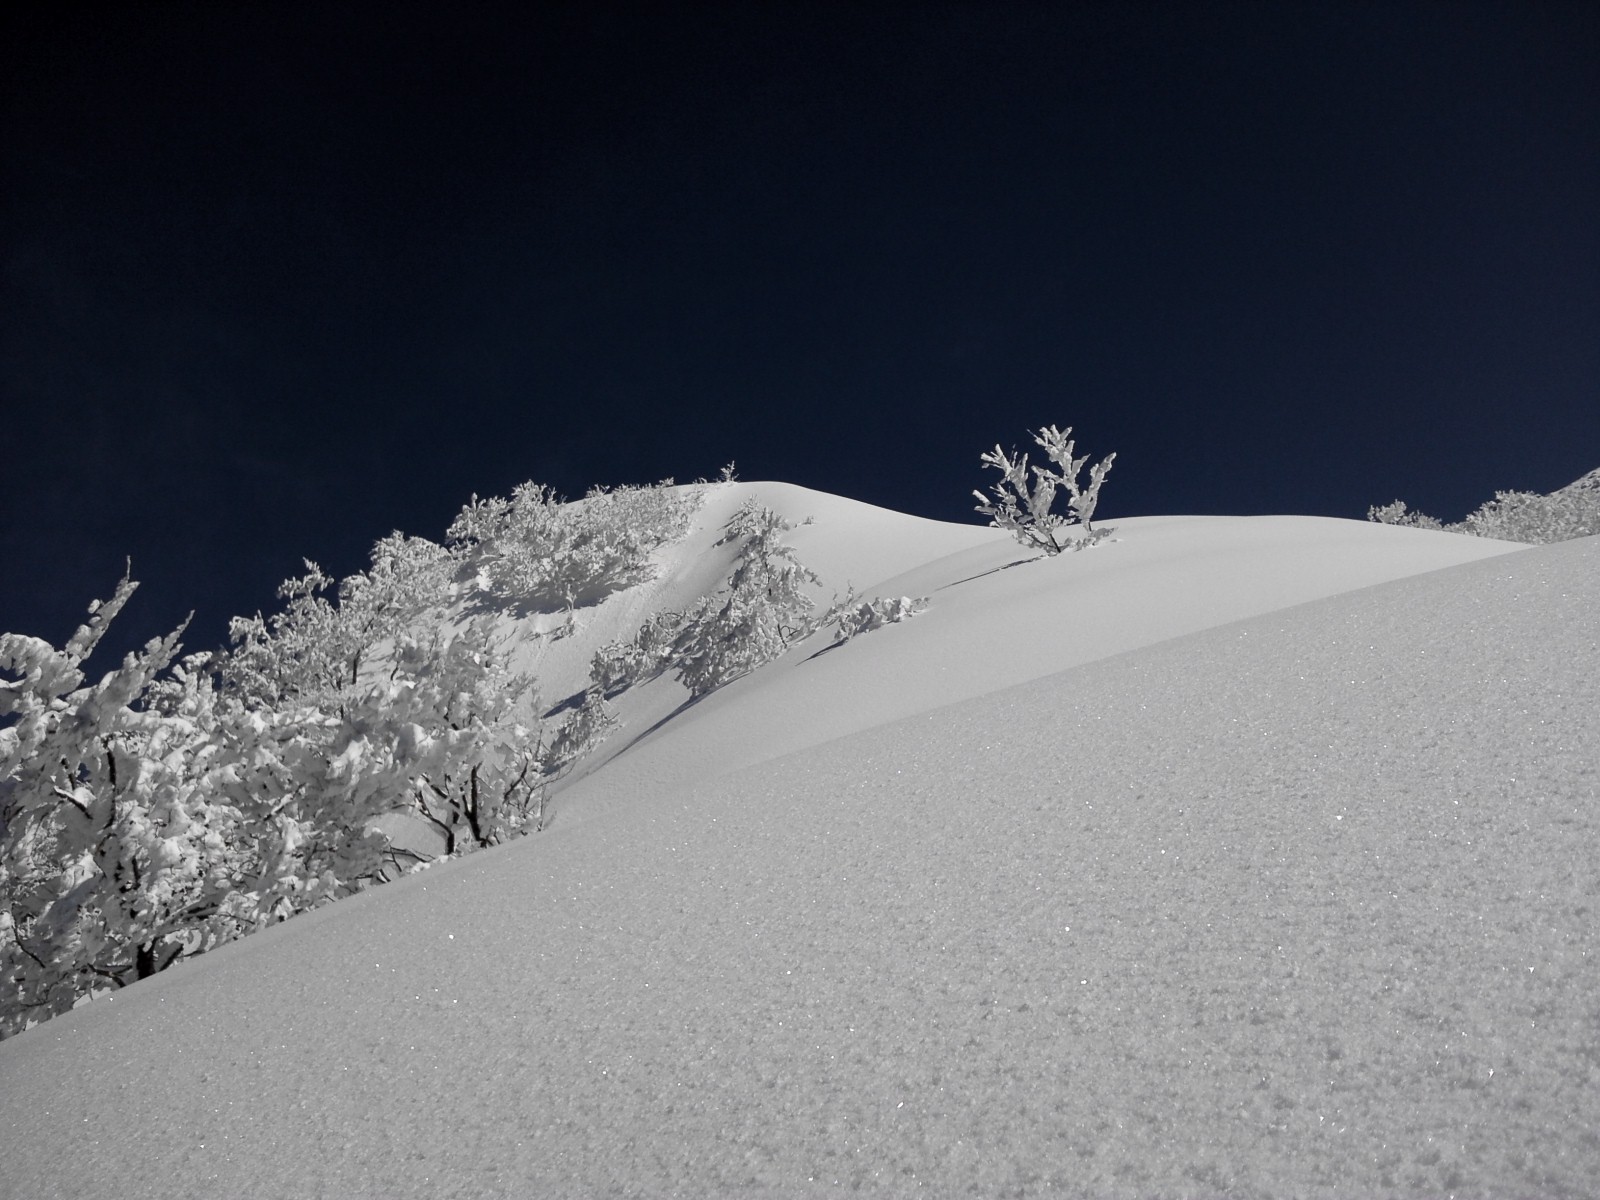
1298,905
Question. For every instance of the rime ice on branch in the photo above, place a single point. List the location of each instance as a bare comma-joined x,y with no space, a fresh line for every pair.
1023,507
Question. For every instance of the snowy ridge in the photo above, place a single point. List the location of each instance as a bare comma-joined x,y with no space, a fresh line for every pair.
1222,859
999,615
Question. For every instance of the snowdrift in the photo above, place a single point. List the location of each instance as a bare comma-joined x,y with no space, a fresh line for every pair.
1239,856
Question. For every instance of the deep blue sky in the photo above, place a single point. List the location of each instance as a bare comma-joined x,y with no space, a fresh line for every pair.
276,279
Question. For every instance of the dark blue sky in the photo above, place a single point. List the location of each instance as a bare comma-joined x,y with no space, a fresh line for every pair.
276,279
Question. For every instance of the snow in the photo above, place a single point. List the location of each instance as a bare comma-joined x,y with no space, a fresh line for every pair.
1238,856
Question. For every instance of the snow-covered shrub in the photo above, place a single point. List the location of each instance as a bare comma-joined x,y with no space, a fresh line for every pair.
536,548
622,665
369,717
765,609
874,614
1023,507
304,650
306,794
314,647
1569,512
586,726
1398,514
172,807
373,717
448,729
116,856
1530,517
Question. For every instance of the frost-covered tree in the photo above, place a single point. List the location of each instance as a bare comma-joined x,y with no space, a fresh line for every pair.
449,728
307,793
1398,514
875,614
152,816
587,725
537,548
621,665
313,647
1538,519
1569,512
382,717
384,713
116,855
766,607
1022,500
171,807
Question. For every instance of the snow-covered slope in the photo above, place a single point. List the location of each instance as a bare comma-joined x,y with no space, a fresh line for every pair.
1223,859
999,615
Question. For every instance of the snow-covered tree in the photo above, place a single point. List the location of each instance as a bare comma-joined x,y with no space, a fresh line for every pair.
116,855
875,614
1398,514
587,725
621,665
314,647
449,730
1538,519
1569,512
765,609
374,713
537,548
174,806
374,716
152,816
1022,505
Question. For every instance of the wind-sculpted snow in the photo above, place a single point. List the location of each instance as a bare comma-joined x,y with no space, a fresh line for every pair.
998,616
1298,905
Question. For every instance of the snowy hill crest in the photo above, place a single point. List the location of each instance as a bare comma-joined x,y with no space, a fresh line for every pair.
1232,828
